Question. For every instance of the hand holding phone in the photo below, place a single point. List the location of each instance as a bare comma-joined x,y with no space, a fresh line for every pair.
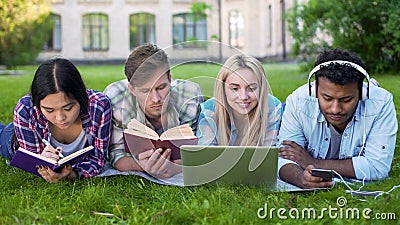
326,175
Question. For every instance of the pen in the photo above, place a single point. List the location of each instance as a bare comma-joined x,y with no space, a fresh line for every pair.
47,144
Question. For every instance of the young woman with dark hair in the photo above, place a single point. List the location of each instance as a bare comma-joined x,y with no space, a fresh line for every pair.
63,112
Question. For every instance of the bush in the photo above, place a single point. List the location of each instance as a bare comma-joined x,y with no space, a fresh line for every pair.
369,28
25,26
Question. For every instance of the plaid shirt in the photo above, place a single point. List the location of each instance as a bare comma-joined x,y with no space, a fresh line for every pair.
31,127
185,98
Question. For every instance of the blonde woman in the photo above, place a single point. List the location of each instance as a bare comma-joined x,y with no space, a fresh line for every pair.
242,112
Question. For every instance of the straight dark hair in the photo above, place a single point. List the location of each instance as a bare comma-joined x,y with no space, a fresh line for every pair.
59,75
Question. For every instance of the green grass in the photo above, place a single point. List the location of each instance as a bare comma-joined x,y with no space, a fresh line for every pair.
25,199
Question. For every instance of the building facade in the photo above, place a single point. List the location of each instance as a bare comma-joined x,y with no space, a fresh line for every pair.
107,30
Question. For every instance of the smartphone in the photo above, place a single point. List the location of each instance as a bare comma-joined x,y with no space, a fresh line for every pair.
326,175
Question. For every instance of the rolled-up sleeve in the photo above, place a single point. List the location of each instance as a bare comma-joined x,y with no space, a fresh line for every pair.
119,96
100,129
291,128
26,126
376,160
207,128
274,121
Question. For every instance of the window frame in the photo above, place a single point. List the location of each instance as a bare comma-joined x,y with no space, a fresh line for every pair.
191,24
146,25
236,28
93,23
55,38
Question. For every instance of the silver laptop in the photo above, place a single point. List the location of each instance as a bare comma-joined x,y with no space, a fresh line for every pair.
247,165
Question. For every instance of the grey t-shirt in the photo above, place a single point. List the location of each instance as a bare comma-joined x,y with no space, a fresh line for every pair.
334,146
77,144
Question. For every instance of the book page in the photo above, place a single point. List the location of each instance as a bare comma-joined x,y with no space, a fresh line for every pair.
141,130
140,134
180,132
75,154
50,160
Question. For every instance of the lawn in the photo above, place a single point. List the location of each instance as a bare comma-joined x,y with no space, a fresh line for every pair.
26,199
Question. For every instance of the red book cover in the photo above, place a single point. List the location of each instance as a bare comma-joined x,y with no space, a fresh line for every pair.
139,138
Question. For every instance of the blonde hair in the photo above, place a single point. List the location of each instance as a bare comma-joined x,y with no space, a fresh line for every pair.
255,133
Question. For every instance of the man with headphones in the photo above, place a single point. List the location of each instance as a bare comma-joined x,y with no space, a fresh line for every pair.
337,123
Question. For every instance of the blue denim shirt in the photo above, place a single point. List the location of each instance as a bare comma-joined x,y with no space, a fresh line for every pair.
374,118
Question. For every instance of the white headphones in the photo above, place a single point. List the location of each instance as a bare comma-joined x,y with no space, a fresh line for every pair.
312,88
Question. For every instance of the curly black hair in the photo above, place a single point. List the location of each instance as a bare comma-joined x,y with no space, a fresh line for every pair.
340,74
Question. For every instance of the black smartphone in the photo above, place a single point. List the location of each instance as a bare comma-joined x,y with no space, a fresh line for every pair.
326,175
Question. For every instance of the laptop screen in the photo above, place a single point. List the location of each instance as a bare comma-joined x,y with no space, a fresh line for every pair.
247,165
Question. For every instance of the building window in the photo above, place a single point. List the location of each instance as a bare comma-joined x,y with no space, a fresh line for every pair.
95,32
142,29
189,28
54,43
236,26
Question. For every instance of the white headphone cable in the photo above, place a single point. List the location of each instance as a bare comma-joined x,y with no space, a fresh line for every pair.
364,140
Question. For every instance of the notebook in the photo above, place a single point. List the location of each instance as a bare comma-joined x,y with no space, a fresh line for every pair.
247,165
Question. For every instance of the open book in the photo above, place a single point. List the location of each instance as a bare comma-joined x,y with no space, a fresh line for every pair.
27,160
139,138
